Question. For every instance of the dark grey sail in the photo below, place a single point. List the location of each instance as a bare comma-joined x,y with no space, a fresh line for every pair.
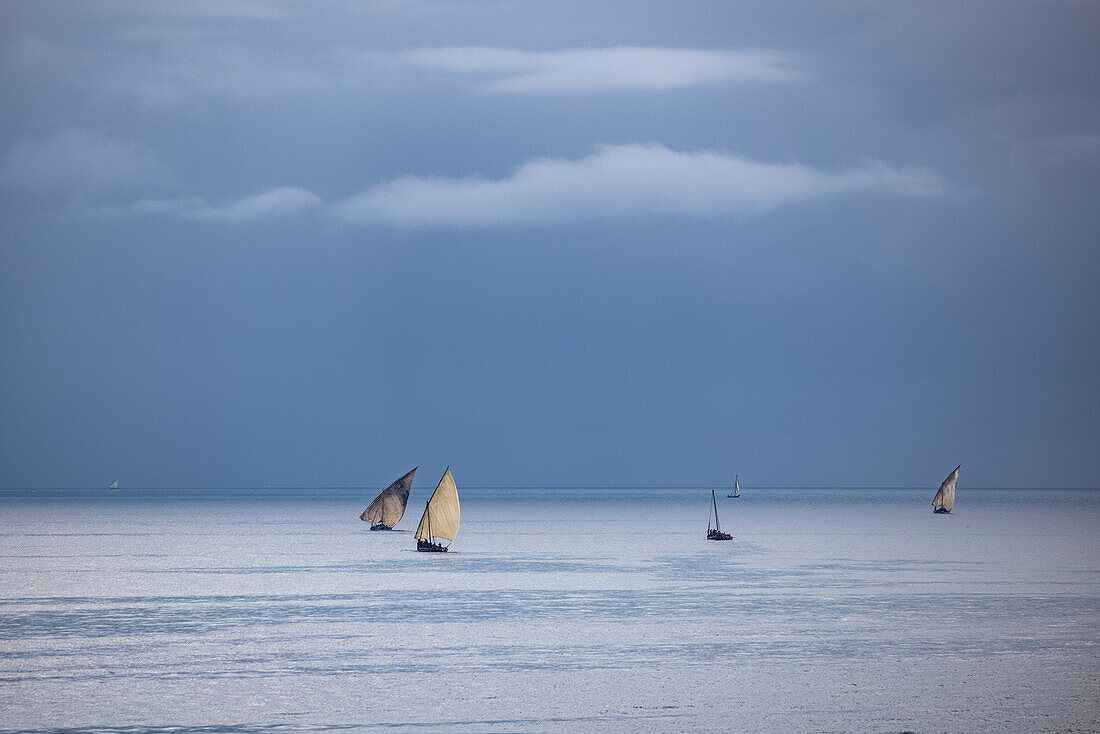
944,501
389,506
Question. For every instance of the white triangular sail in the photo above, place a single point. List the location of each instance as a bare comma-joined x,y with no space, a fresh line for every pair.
113,485
389,506
441,516
945,497
736,486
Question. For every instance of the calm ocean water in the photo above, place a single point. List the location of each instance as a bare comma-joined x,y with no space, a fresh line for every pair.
558,610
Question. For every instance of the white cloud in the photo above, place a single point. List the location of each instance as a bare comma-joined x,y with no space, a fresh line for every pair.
167,65
613,182
600,69
82,163
619,181
282,201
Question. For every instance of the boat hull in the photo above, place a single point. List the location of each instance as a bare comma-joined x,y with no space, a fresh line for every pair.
941,511
718,535
426,546
380,526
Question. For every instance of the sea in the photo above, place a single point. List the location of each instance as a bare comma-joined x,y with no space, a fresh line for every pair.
244,611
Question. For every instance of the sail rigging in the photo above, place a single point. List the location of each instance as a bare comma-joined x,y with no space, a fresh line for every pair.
944,500
715,533
388,507
442,512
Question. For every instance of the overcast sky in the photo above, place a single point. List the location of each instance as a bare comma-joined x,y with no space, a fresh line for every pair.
250,243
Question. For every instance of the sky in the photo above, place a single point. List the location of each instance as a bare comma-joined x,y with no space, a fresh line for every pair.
250,243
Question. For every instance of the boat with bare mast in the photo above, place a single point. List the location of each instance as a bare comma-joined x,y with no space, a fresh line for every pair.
944,500
715,533
388,507
441,516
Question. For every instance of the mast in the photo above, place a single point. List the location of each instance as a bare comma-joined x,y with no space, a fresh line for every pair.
441,513
715,503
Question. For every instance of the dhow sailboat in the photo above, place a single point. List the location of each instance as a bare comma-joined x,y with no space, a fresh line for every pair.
389,506
944,500
441,516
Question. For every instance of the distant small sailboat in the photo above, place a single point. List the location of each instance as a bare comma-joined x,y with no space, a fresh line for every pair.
714,533
944,500
736,491
440,518
113,485
389,506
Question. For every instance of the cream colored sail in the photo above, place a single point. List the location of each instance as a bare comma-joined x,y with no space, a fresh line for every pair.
389,506
113,485
945,497
441,516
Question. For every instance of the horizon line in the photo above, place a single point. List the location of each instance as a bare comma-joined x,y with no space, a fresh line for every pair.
541,486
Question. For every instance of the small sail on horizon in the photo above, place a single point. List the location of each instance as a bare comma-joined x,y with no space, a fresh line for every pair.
441,516
388,507
113,485
944,500
736,491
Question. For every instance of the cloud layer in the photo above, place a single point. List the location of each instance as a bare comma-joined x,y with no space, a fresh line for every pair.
601,69
619,181
168,65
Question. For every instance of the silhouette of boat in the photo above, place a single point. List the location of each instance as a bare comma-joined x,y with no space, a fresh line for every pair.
715,533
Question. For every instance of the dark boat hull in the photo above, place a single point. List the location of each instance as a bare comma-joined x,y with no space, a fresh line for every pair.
426,546
941,511
718,535
380,526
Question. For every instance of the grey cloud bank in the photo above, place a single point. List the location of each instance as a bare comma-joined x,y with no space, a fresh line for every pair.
293,243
